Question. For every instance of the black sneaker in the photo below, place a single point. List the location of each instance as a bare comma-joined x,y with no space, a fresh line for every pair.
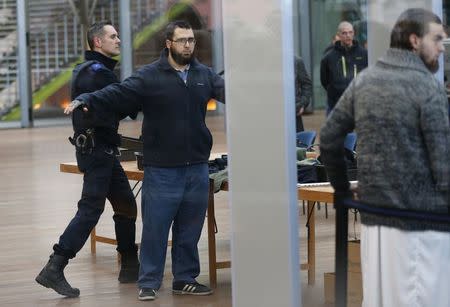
147,294
190,288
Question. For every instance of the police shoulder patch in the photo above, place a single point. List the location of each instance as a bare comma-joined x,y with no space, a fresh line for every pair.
96,66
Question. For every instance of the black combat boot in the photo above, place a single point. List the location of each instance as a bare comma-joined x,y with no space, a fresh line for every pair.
52,276
129,267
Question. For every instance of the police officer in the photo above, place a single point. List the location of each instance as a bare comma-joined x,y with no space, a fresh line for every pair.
96,140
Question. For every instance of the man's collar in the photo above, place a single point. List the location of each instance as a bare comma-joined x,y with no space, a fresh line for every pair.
186,68
90,55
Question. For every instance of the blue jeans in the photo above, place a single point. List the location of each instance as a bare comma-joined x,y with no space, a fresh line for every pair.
176,197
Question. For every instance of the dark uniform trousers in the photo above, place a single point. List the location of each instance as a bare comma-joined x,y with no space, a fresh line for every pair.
104,178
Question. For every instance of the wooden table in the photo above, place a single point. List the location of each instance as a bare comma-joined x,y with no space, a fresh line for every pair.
311,194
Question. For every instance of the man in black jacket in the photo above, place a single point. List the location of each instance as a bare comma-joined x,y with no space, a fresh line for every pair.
172,93
96,140
340,65
303,91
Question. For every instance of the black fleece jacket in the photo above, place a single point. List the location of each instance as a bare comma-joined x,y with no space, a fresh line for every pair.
338,68
173,130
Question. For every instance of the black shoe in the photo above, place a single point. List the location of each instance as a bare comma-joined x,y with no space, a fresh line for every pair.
129,267
193,288
52,276
147,294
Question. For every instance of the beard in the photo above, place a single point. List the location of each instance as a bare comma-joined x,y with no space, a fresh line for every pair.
431,64
180,58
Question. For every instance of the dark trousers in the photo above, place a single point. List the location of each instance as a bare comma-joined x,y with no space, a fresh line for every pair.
299,123
104,178
177,197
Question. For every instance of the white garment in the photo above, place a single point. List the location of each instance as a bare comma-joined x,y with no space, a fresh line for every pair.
405,268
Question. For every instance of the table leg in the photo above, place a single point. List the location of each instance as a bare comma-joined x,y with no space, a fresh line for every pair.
93,241
211,238
311,245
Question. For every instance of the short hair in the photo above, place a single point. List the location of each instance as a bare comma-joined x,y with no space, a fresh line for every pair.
343,24
96,30
412,21
170,29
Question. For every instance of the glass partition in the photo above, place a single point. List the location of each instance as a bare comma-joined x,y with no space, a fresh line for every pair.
56,40
8,57
325,17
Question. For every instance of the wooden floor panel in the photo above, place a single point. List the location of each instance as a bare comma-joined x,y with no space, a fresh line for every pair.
37,202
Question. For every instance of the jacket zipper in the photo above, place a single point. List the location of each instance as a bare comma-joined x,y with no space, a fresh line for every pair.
344,67
187,130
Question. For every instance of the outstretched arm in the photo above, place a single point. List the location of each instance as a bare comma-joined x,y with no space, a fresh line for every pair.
121,98
218,85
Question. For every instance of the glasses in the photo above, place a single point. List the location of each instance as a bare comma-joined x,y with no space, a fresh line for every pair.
184,40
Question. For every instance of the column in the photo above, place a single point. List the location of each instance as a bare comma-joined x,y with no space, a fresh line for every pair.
259,75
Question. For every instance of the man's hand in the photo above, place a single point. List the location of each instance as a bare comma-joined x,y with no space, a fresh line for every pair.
73,105
300,111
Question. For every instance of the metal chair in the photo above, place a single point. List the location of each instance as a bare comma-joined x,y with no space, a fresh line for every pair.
350,141
306,138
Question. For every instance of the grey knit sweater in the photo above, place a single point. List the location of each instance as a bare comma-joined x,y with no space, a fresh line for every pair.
400,114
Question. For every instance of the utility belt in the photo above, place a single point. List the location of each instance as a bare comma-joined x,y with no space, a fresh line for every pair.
85,143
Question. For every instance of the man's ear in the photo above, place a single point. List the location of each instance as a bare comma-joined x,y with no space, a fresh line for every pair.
168,44
97,42
415,41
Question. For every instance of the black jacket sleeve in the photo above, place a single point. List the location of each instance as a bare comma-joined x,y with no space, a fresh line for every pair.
324,74
108,77
332,135
122,98
303,84
218,85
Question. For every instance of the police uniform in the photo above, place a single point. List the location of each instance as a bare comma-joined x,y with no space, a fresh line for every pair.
96,140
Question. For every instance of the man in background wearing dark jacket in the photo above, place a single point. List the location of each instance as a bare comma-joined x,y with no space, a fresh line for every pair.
303,91
96,140
172,93
340,65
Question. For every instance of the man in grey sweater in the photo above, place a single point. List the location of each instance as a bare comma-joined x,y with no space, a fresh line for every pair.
399,111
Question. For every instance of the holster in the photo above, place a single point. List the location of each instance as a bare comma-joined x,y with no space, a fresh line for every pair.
83,142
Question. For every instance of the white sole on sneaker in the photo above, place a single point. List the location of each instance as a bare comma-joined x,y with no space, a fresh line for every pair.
146,298
181,292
